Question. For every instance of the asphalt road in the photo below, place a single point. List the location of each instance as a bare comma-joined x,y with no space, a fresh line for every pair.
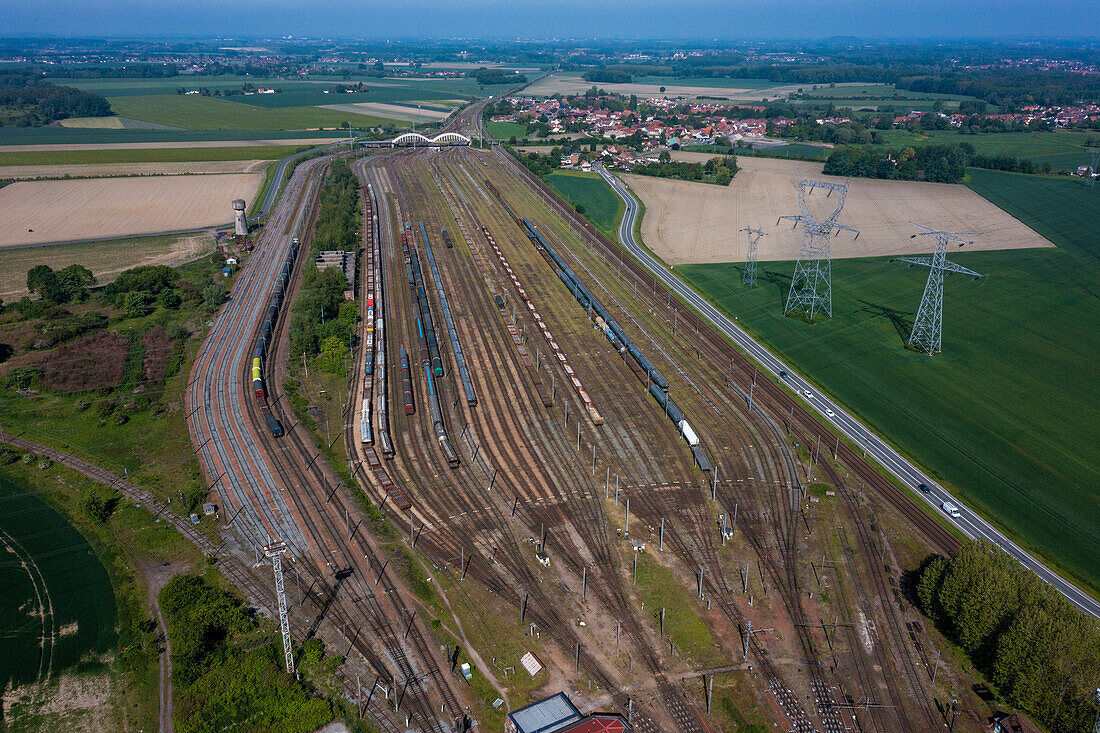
968,522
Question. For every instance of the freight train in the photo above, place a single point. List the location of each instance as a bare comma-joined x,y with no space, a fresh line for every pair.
656,383
437,421
452,331
406,383
420,301
263,340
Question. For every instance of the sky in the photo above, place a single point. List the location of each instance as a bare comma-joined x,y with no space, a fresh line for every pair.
544,19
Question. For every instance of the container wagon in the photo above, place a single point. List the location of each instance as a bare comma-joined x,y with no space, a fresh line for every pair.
437,421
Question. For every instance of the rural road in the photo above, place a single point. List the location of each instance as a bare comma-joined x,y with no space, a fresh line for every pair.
969,523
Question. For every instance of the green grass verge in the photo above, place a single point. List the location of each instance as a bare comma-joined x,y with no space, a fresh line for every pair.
998,416
197,112
658,588
506,130
601,205
145,155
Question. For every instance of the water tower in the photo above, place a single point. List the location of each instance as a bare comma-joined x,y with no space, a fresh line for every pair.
240,224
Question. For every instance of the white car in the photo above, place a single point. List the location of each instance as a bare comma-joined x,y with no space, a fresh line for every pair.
829,412
808,393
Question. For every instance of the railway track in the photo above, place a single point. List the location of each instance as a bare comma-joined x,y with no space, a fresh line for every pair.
281,489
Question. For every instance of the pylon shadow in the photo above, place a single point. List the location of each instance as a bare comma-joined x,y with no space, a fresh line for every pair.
901,321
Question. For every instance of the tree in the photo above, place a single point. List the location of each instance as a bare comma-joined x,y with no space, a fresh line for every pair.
664,156
213,295
42,279
134,305
662,90
73,283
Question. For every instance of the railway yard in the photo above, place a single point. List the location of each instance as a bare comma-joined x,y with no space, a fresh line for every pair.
524,403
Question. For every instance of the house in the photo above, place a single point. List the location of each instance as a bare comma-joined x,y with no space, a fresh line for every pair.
1085,171
557,714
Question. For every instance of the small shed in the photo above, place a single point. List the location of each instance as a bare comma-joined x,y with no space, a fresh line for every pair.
227,271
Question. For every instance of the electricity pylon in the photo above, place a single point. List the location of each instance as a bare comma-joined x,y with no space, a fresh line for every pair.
748,277
929,322
1092,169
275,551
812,284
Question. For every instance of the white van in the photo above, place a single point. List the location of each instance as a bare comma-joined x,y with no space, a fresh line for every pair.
950,509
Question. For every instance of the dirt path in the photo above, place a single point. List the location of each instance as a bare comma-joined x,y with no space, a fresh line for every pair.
156,576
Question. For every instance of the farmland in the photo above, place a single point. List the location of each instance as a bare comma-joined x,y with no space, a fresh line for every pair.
998,416
57,607
696,222
208,113
105,259
67,210
145,155
506,130
601,204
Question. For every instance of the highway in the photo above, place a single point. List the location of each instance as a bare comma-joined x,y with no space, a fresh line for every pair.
969,522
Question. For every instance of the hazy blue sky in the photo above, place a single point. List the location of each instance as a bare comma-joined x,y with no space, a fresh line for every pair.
557,18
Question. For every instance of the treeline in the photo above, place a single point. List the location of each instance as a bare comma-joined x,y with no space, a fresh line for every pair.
935,163
487,77
322,321
37,103
100,71
719,171
1039,651
608,76
224,678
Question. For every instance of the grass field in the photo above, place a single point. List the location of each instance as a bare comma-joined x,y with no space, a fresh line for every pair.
716,83
292,91
601,204
48,564
209,113
1032,145
88,136
1002,416
105,259
145,155
505,130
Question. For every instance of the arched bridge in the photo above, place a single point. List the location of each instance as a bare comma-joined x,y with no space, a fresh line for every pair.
415,138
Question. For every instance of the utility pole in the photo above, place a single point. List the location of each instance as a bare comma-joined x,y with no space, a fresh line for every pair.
928,324
812,284
275,551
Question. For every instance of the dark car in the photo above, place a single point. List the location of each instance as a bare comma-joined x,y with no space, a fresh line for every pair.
782,374
924,488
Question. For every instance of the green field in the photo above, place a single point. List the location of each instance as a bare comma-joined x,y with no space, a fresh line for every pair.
87,136
1003,415
197,112
506,130
1032,145
717,83
69,579
601,204
145,155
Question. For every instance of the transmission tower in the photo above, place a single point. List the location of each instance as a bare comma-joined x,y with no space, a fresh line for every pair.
748,277
929,322
275,551
1096,725
812,284
1092,169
